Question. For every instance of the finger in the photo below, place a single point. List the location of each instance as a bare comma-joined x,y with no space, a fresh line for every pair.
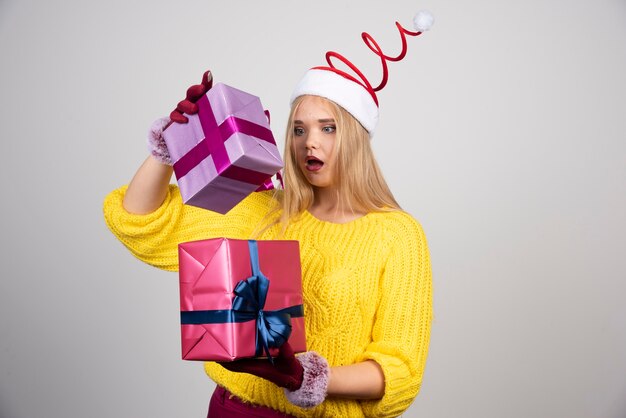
195,92
186,106
246,366
232,366
198,90
239,363
178,117
207,80
285,351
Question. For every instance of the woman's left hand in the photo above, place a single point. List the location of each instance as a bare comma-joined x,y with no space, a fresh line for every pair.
305,378
287,372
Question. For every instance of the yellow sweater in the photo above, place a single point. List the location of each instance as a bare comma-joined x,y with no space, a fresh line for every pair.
366,284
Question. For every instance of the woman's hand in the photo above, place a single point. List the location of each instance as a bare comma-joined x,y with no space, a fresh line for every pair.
287,372
304,378
188,105
308,379
156,143
148,188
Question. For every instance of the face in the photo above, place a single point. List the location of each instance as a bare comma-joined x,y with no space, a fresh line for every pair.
314,141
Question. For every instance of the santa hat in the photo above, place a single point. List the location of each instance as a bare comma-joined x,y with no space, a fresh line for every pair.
354,92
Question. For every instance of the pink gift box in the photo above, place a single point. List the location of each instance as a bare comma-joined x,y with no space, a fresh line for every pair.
225,151
213,272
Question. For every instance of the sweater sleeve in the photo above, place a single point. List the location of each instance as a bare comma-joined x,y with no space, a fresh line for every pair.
401,331
153,238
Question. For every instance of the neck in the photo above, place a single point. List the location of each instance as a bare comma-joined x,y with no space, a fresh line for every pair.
326,199
327,206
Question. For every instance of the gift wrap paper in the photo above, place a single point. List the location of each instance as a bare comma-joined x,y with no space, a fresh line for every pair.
225,152
213,275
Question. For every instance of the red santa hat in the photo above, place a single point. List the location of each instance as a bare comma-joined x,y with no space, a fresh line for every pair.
354,92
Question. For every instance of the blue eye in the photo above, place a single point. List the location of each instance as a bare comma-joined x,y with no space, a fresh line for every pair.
329,129
297,131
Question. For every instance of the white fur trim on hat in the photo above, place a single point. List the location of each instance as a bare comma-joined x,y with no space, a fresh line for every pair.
353,97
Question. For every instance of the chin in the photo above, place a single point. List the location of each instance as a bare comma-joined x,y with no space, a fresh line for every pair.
320,184
317,180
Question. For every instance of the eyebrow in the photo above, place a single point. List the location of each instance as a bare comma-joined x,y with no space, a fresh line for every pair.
319,120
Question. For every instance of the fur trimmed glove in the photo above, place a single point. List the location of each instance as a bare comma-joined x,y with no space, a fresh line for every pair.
156,143
304,378
312,390
188,105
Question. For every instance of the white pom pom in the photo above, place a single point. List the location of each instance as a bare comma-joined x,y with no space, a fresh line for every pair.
423,20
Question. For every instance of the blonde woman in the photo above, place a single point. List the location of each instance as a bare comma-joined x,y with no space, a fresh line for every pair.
366,270
365,263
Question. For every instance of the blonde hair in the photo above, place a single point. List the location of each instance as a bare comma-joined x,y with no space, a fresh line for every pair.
361,185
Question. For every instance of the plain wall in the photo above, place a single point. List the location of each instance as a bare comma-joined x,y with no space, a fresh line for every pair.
503,132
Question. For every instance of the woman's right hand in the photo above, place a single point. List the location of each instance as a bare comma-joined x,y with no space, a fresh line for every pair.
188,105
148,188
156,142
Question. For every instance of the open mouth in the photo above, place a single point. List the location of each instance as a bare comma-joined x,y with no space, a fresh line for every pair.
313,163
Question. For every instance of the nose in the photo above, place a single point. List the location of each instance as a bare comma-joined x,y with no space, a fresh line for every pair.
312,141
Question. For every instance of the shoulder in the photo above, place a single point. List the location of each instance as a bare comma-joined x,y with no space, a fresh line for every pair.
398,223
400,232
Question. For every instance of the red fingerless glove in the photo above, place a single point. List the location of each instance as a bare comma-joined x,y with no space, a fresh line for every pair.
305,378
188,105
287,372
156,143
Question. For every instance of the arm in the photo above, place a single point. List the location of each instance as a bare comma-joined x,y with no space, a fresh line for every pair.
154,237
148,215
308,379
386,377
401,331
148,188
363,380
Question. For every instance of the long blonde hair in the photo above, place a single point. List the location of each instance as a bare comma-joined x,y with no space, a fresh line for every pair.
362,187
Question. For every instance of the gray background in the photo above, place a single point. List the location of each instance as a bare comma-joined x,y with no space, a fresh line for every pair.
503,132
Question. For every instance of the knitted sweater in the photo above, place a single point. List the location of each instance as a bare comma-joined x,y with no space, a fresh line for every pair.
366,286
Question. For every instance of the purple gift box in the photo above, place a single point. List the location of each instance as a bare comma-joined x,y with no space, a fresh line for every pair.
225,152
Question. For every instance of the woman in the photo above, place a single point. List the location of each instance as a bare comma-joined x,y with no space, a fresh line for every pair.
365,263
